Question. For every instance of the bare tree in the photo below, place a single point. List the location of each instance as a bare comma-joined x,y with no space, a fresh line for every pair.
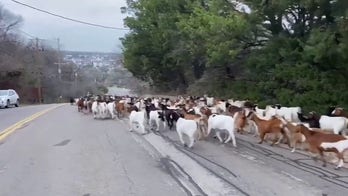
8,22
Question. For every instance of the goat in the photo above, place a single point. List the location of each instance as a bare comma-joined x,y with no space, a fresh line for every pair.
170,114
273,125
244,124
259,111
121,108
140,104
99,110
157,117
339,112
232,109
200,119
240,121
80,104
210,101
95,109
205,111
222,122
312,119
148,108
329,110
221,106
340,146
137,120
236,103
315,139
112,109
188,128
337,124
294,136
289,113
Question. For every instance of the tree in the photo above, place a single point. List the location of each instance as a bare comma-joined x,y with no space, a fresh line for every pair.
8,22
283,51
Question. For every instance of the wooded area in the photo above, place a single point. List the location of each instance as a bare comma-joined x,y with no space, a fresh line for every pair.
293,52
30,66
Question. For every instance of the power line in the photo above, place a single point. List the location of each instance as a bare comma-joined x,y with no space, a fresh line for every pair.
32,36
27,34
67,18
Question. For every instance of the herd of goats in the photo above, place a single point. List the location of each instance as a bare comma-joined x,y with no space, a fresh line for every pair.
196,117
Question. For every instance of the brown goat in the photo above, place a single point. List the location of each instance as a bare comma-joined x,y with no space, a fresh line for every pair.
316,138
339,112
89,106
273,125
240,121
80,105
294,135
121,108
233,109
205,111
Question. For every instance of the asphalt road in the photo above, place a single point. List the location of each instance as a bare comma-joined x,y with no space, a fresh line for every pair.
64,152
260,169
9,116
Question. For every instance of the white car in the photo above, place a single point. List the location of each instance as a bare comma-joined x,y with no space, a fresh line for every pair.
8,97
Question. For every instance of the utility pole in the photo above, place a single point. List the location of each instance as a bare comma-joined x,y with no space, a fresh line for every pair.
39,92
59,61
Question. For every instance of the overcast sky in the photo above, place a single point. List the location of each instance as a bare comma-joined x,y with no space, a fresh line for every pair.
73,36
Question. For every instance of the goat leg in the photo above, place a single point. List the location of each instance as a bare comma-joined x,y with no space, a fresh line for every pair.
181,139
228,139
293,143
262,137
164,125
322,157
340,161
278,139
192,141
218,134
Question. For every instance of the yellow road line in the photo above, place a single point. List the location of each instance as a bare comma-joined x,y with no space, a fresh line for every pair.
21,123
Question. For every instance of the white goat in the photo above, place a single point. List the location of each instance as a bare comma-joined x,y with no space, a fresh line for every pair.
95,109
289,113
155,101
104,110
238,103
137,121
99,110
259,111
197,110
188,128
220,123
140,104
221,105
112,109
157,117
337,124
210,101
340,146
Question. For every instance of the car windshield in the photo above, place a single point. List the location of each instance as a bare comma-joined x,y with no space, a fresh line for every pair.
3,92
